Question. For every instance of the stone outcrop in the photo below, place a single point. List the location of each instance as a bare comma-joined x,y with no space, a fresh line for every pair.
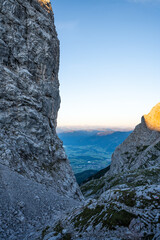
34,170
140,150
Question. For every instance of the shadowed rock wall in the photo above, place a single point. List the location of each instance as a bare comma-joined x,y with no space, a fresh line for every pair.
29,101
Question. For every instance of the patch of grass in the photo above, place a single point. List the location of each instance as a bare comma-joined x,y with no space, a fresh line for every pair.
109,218
88,186
99,218
126,153
67,236
148,237
44,231
58,228
84,218
128,198
117,218
154,157
145,147
94,186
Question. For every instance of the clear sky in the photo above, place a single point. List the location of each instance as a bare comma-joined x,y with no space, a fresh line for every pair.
110,61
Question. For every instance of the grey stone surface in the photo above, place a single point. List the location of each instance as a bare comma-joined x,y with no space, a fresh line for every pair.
36,178
27,206
139,151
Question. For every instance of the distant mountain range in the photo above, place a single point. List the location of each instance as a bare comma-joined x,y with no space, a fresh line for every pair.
91,149
92,129
108,139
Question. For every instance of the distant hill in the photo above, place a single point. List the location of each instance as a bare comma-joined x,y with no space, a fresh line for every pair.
83,176
88,175
106,139
98,174
91,149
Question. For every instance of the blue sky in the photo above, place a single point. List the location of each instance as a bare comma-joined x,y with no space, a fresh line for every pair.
109,62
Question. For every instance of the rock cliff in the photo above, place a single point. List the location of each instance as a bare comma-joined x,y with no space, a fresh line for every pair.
140,150
36,178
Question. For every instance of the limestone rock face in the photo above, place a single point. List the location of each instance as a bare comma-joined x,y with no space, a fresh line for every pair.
32,158
140,150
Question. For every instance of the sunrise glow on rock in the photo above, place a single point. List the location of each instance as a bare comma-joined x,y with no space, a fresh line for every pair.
153,118
46,3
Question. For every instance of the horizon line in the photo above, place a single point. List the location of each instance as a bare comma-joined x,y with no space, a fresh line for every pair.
96,127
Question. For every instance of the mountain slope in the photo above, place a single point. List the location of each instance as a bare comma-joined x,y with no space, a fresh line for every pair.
82,176
125,202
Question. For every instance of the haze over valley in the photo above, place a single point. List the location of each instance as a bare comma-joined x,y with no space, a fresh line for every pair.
91,149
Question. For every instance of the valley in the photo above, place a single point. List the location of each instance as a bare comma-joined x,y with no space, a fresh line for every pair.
91,150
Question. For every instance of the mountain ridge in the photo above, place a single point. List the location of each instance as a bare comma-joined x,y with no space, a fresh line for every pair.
94,137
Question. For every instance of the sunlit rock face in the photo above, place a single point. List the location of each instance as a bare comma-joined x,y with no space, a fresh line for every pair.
153,118
36,180
46,4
